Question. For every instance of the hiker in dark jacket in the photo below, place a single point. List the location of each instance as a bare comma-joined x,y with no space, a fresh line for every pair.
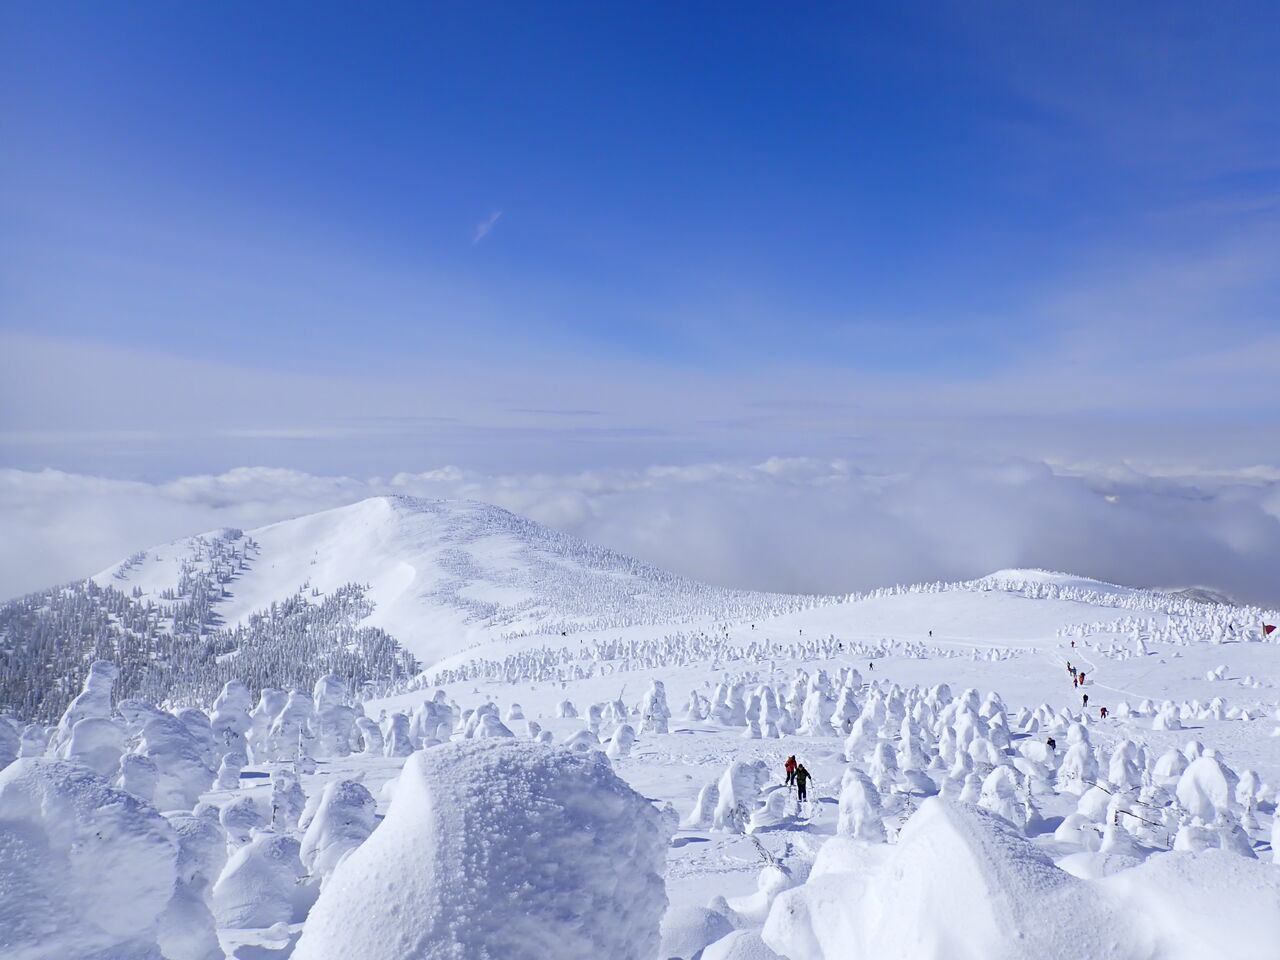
803,777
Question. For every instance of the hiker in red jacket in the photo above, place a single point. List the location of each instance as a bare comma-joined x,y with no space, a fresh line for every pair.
790,767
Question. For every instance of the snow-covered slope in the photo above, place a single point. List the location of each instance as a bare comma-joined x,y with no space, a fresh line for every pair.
366,590
1031,763
444,574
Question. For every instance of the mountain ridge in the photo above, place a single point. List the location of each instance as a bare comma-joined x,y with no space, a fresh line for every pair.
378,590
461,567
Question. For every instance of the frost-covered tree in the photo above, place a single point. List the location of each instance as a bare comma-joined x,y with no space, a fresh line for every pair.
342,820
398,741
182,772
654,712
509,895
98,743
89,869
261,884
170,648
94,699
738,793
860,814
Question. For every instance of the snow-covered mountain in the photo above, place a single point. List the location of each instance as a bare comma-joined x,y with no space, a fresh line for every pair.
442,574
378,590
369,591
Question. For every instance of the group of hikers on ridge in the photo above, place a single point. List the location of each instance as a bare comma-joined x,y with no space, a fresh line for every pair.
1077,681
798,775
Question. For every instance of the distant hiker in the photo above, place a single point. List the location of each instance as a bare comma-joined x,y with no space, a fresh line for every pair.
1073,644
1070,669
1103,711
790,767
1082,678
931,633
1075,681
1052,743
871,666
1085,700
803,777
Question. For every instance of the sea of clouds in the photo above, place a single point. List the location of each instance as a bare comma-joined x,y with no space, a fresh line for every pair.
795,524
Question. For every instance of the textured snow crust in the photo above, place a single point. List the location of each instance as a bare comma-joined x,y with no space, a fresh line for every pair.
960,883
495,848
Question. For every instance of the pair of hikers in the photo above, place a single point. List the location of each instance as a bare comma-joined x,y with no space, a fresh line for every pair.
797,774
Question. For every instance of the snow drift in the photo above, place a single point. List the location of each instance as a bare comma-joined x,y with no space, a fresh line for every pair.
962,885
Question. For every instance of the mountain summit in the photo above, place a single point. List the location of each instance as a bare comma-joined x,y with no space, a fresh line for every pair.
443,574
372,591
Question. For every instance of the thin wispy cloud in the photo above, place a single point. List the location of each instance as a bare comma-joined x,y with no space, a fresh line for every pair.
485,226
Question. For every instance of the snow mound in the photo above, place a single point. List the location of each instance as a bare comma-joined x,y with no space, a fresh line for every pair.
85,870
1195,905
687,930
961,884
500,848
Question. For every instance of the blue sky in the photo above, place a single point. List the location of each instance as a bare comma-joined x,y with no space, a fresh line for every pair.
689,185
535,242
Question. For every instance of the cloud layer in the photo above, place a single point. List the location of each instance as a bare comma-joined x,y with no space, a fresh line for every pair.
797,524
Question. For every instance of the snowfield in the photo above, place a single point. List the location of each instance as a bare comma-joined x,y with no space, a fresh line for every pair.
589,763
